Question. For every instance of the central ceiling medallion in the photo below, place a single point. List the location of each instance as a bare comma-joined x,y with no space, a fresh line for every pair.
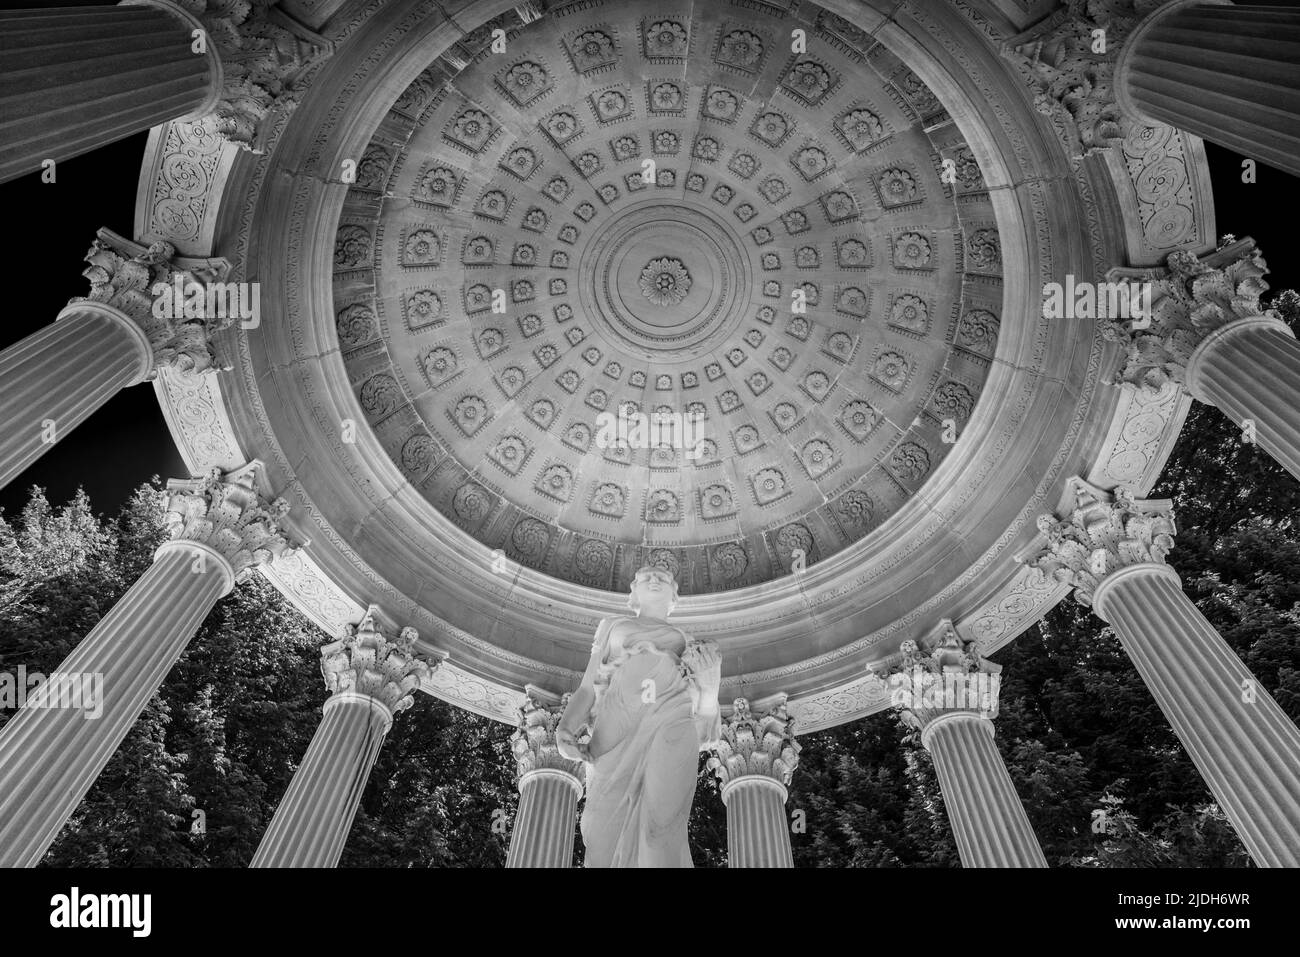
639,292
665,281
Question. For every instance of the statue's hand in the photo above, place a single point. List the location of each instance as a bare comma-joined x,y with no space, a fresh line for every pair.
705,663
566,742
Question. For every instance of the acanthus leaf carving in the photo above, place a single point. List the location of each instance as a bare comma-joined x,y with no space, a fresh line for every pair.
1192,298
264,55
178,303
226,512
533,744
367,661
756,741
1070,63
1103,533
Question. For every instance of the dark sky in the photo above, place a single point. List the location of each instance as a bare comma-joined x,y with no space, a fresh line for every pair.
52,225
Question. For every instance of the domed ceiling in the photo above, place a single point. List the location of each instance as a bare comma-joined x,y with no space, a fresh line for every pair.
468,255
668,214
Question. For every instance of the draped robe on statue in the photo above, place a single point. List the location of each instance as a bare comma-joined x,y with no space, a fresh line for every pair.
644,748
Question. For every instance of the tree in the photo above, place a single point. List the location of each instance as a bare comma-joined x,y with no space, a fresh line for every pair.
233,719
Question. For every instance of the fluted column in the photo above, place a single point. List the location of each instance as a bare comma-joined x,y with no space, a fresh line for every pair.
1208,332
755,760
549,787
50,753
1250,370
1112,550
950,695
371,678
987,817
57,377
1227,72
76,78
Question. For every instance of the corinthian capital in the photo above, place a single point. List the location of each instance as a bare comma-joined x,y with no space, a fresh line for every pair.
225,512
1191,298
366,661
950,676
757,741
264,55
1101,535
143,283
1069,60
533,744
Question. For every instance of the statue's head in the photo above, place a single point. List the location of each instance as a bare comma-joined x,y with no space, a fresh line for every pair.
653,586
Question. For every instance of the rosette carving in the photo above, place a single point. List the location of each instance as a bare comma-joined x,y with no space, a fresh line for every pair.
731,561
593,559
665,281
531,539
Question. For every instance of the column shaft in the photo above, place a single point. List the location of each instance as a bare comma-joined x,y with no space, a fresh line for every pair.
1226,72
311,824
60,375
988,820
73,79
543,831
1241,741
1250,369
49,757
757,833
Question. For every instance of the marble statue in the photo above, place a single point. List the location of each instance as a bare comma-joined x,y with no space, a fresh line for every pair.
647,705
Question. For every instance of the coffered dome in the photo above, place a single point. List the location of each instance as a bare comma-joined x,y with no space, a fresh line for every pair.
623,212
486,229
